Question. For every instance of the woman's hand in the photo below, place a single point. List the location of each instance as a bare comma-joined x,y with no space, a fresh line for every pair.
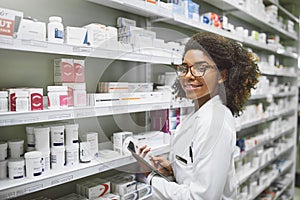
162,165
158,162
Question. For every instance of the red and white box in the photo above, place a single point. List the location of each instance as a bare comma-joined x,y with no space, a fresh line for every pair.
12,97
79,71
10,22
63,70
35,98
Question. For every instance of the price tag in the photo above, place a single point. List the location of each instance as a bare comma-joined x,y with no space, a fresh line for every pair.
34,43
8,195
62,180
25,120
29,189
103,168
60,116
82,49
85,114
5,40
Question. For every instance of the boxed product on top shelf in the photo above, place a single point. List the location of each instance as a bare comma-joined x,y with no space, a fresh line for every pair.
10,22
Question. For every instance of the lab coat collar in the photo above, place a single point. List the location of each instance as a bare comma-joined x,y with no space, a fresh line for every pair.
215,100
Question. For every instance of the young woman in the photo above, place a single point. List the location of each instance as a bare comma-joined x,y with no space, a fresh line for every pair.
218,74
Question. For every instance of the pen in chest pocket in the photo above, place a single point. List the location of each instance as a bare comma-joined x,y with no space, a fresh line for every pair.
191,153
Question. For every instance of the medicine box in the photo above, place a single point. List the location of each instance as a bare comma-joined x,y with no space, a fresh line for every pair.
76,36
63,70
79,71
10,22
92,138
109,197
122,21
97,188
32,30
121,141
35,98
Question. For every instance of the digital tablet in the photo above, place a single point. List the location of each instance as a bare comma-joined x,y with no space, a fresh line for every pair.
131,148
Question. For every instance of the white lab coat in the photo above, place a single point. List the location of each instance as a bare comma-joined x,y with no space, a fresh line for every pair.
210,133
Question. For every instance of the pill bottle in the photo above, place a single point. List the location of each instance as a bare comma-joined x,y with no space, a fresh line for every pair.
57,157
22,101
71,134
85,152
33,164
3,169
3,101
55,30
16,168
3,150
72,155
15,148
57,97
30,138
57,135
42,138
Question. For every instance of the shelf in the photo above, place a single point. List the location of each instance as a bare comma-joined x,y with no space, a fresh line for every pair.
244,154
253,171
286,166
64,49
285,94
283,189
16,118
266,119
239,11
14,188
279,74
284,10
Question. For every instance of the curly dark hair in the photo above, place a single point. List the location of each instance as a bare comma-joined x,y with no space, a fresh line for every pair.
239,64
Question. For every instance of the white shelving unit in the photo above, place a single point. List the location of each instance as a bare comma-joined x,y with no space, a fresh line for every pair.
16,188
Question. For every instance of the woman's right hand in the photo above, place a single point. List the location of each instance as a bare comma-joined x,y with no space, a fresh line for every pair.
158,162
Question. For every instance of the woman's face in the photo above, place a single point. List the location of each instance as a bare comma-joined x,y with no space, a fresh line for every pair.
197,87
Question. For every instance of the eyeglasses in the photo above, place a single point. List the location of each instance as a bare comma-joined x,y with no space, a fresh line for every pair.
197,69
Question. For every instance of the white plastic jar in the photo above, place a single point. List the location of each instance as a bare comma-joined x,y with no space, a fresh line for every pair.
3,169
3,101
72,155
15,148
71,136
3,150
42,138
85,152
16,168
55,30
57,157
22,101
30,138
57,97
57,136
45,160
33,162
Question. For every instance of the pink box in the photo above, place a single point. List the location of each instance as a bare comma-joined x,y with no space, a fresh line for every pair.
35,98
79,69
63,70
12,97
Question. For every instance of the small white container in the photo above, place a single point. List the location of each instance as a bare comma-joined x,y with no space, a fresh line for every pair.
3,169
30,138
42,138
72,155
57,136
71,131
16,168
22,101
55,30
85,152
3,151
33,162
15,148
45,160
57,157
57,97
3,101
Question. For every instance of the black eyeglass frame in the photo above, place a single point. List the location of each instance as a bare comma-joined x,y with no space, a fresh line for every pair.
187,68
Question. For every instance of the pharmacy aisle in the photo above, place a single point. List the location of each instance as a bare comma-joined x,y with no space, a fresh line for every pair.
82,78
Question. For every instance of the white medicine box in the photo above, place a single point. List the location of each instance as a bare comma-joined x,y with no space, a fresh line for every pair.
10,22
